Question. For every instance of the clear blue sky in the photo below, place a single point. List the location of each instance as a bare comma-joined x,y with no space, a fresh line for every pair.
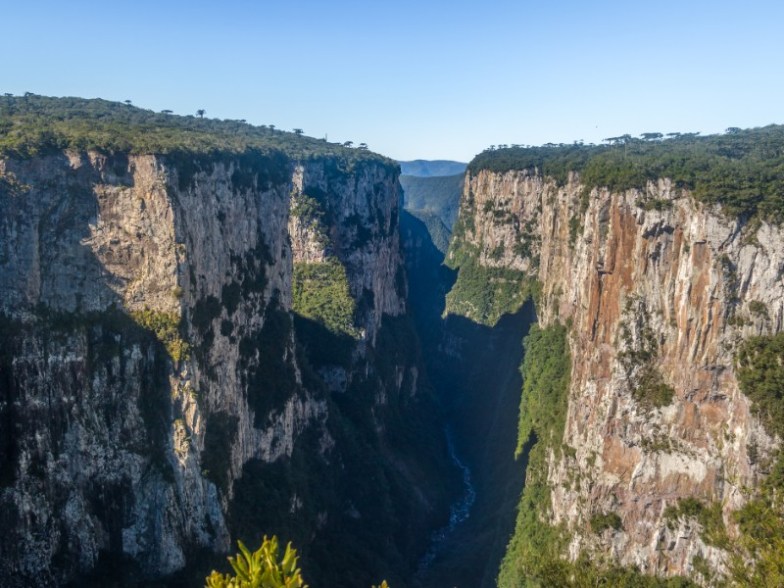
414,79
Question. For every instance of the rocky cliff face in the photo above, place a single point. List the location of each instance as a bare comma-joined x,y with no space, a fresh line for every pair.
359,227
149,353
658,292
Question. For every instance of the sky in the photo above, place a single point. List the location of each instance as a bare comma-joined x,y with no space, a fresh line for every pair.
425,79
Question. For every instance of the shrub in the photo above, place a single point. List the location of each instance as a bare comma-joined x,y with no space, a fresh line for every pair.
260,569
600,522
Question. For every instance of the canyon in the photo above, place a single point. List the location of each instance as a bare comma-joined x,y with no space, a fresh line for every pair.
213,331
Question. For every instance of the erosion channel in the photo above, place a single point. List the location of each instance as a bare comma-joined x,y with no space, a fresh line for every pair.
476,371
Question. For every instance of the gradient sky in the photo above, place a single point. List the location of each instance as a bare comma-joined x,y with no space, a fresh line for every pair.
434,80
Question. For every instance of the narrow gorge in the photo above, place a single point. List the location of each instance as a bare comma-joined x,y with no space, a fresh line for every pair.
213,331
653,382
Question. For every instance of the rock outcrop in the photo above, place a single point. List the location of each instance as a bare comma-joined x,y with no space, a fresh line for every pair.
149,353
658,291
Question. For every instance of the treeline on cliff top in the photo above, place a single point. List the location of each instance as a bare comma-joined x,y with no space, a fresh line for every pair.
32,125
743,170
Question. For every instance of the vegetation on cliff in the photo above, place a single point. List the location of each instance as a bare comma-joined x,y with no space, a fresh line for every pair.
536,554
484,293
757,555
743,170
761,377
320,292
34,125
437,194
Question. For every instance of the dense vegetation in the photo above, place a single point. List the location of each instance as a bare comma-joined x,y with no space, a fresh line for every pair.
166,326
708,516
535,556
320,292
438,194
761,377
743,170
438,233
484,293
33,125
757,556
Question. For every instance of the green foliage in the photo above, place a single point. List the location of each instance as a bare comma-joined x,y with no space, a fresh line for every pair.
758,308
757,555
307,209
546,373
439,195
320,292
438,231
536,545
651,391
484,293
261,569
647,385
166,326
760,370
600,522
709,516
36,125
743,171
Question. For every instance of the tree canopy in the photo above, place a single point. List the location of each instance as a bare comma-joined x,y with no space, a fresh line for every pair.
743,170
34,125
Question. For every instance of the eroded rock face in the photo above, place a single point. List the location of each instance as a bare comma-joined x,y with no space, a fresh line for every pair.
647,281
139,296
359,227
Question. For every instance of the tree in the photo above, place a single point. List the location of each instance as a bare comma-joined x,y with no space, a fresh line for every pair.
651,136
128,102
732,130
201,112
348,144
166,111
298,132
363,145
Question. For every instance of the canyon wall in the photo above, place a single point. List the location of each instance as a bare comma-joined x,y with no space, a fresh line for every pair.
150,357
657,292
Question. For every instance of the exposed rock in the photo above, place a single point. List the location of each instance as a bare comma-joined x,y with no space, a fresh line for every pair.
138,293
670,291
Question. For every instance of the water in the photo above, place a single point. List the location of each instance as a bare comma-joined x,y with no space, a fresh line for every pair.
459,512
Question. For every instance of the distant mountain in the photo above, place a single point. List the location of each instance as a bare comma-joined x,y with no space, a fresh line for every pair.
439,195
424,168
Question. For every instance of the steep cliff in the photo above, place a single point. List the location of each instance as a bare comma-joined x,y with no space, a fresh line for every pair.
162,389
655,450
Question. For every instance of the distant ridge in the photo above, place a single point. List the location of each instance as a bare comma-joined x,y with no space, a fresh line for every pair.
425,168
